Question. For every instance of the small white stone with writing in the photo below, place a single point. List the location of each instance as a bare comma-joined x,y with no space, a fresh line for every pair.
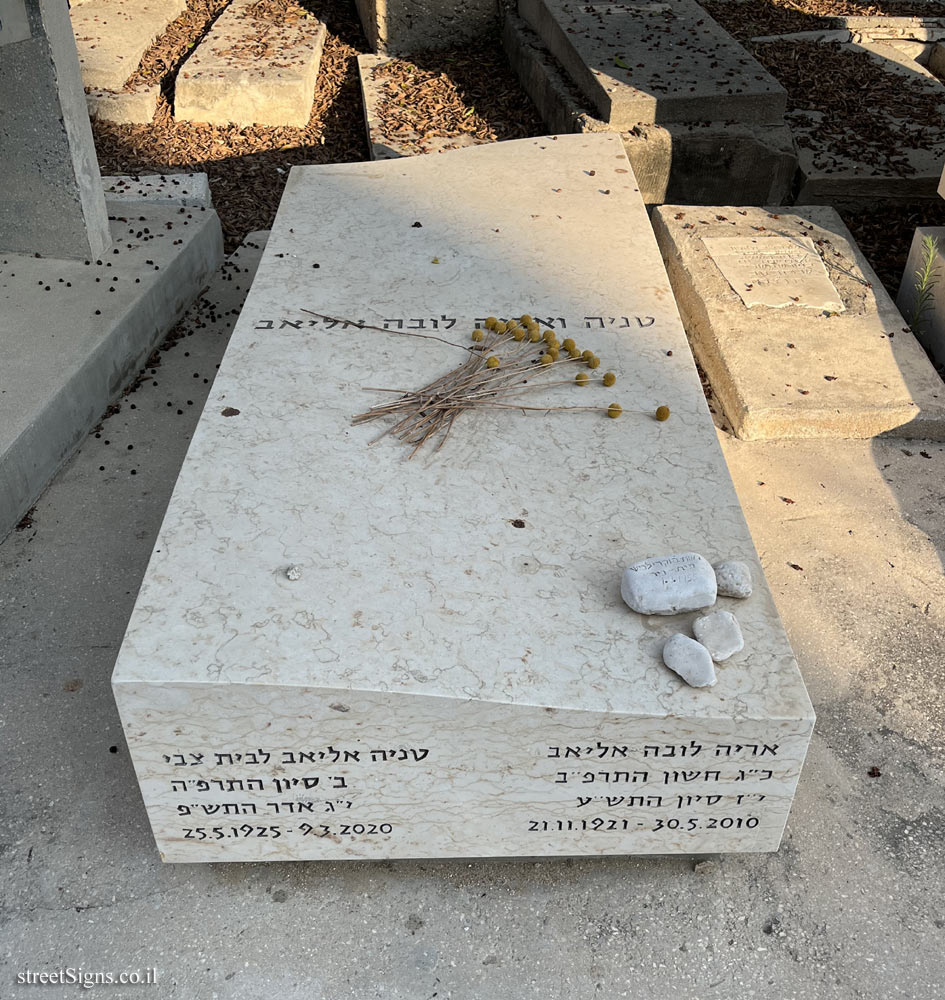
733,578
670,584
690,659
720,633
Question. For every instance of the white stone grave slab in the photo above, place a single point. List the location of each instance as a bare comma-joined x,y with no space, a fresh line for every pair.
340,653
775,271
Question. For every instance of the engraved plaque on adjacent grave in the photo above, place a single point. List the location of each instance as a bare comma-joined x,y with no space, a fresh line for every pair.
339,652
775,271
14,22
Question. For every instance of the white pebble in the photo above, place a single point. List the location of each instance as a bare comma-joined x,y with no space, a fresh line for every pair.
668,585
293,573
734,578
720,634
689,659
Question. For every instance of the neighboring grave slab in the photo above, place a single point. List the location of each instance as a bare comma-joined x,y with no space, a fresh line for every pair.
925,29
190,190
886,152
52,191
655,62
124,107
805,368
258,65
113,35
340,653
927,320
690,162
73,332
404,26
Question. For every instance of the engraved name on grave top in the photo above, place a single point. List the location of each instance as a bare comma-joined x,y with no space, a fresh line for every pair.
14,22
775,271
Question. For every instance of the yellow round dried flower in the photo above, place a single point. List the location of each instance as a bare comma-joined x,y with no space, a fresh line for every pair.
525,319
593,361
614,410
491,323
581,378
662,413
534,335
548,336
493,362
587,354
501,327
573,352
568,344
518,333
478,336
554,352
610,378
546,359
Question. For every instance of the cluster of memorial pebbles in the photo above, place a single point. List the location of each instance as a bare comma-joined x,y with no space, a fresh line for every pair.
684,582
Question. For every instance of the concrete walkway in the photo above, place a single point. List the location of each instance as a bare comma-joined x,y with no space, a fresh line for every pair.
853,906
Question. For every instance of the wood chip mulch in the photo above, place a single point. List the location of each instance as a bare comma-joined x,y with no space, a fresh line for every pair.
248,167
469,91
861,110
746,19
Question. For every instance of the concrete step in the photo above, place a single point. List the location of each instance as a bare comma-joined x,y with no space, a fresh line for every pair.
124,107
72,331
256,66
180,190
655,63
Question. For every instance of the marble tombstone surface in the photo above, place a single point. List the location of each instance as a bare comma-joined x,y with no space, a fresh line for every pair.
338,652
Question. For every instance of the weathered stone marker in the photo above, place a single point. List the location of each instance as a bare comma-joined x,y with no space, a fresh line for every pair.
340,653
794,330
52,200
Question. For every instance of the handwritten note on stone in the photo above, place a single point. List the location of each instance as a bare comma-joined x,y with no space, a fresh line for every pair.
775,271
